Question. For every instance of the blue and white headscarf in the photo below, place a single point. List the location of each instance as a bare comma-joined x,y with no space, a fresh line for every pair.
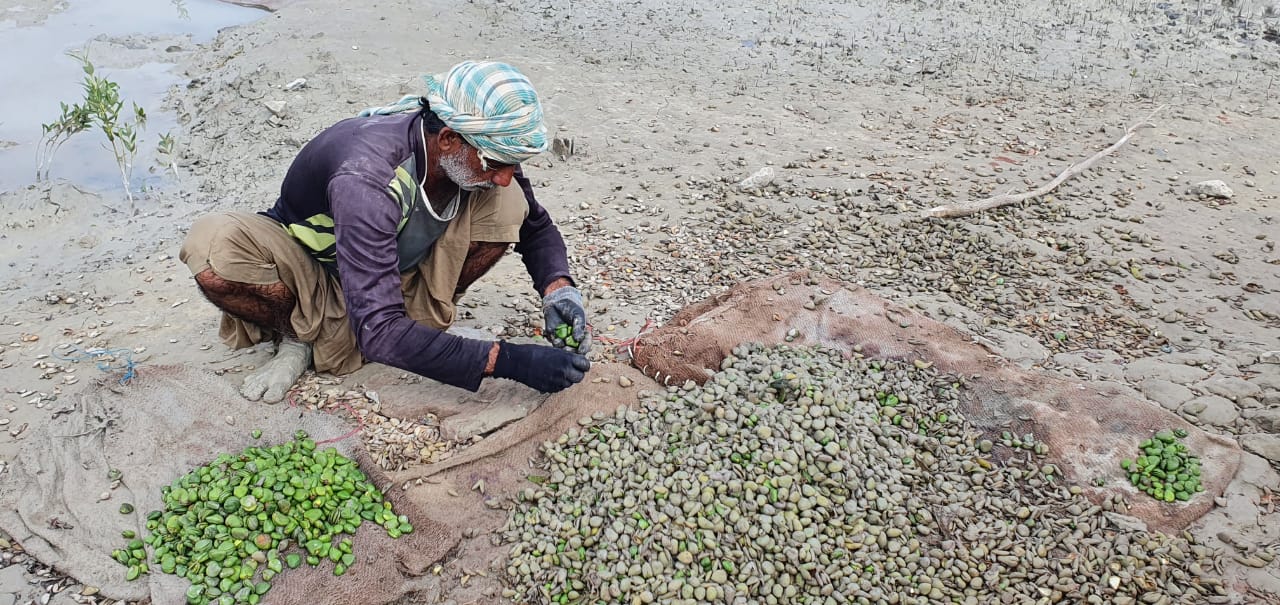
492,105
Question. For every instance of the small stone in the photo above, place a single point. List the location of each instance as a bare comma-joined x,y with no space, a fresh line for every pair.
1017,347
1237,540
1126,522
1262,444
1269,357
624,382
12,576
1269,381
276,107
1212,409
1214,188
1150,367
1167,394
1231,387
1095,363
1267,420
1251,561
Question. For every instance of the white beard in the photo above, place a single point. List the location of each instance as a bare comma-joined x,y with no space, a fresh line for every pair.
456,169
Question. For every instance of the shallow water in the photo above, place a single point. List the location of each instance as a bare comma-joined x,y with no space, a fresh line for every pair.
130,42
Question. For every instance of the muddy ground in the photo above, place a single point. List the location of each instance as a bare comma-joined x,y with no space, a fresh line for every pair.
857,116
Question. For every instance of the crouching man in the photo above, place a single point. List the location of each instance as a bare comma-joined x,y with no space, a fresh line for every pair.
382,223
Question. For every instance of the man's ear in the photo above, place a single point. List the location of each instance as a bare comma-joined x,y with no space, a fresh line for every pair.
447,139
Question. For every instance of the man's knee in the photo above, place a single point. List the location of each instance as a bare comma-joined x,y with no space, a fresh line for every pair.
497,214
210,283
242,248
487,249
222,293
216,289
482,256
203,236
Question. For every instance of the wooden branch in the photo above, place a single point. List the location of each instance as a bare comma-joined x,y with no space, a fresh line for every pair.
967,208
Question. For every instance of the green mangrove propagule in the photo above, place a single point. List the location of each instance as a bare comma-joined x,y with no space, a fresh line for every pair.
225,525
1166,471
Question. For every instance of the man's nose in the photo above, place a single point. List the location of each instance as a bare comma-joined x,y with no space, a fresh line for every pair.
503,177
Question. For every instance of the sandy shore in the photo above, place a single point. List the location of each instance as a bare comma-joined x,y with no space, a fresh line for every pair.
883,109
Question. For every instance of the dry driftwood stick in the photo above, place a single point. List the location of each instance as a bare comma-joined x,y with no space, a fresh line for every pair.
967,208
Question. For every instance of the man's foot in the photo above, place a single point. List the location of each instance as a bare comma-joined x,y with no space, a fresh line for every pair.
270,382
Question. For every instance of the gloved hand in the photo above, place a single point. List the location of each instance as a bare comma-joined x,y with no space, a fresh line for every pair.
544,368
566,320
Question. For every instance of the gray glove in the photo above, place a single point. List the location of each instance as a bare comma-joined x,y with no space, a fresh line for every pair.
546,369
564,307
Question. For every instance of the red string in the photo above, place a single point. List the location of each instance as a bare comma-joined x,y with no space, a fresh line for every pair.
627,345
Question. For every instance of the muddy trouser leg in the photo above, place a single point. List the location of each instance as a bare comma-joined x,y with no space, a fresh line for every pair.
248,266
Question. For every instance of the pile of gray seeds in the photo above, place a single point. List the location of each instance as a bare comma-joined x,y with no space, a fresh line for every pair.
796,475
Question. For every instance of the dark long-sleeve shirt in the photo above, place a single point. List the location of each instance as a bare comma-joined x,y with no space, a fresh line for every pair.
339,199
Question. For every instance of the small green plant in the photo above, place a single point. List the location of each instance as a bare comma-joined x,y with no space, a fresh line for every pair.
166,154
74,119
165,146
101,107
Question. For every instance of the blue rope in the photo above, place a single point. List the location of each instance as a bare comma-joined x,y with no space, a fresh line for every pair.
107,360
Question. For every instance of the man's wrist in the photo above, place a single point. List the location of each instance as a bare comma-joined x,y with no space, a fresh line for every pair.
562,282
493,360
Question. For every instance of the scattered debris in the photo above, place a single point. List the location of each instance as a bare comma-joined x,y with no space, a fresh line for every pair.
1215,189
276,107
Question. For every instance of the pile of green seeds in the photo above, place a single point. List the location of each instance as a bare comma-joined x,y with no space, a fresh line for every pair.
565,333
1166,470
227,526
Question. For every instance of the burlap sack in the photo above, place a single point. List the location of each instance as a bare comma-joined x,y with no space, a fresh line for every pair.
1089,428
157,427
474,491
